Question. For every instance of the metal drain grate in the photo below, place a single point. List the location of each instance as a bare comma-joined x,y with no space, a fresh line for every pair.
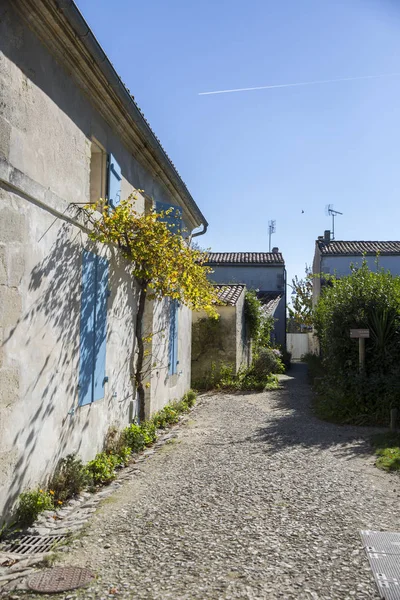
33,544
59,579
383,551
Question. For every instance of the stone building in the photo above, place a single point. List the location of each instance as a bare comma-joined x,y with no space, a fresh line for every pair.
261,271
222,342
70,132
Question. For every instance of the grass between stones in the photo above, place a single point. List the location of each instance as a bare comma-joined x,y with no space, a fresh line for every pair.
387,448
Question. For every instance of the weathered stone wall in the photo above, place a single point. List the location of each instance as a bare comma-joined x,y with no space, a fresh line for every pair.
46,127
243,344
220,348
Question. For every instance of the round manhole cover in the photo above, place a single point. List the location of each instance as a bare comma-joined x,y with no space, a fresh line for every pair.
59,579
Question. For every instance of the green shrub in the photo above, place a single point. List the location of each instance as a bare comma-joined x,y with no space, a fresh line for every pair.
102,468
314,365
269,360
190,398
245,379
149,433
364,299
30,504
387,448
70,477
259,326
134,437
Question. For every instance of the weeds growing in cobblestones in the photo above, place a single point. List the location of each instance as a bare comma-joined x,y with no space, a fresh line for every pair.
69,478
387,448
31,503
72,476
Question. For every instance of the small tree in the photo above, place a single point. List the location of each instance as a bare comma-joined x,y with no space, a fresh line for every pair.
301,311
363,299
162,265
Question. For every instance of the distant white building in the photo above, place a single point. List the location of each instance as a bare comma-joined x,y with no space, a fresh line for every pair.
335,257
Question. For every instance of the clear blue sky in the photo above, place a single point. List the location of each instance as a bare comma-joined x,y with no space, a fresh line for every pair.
269,154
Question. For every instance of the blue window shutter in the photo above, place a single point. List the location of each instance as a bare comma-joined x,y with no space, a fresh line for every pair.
114,181
100,328
173,219
86,343
173,337
175,356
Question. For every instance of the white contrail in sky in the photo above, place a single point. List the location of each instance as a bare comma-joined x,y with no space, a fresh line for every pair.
285,85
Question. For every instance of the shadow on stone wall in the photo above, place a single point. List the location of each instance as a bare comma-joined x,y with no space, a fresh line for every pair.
56,283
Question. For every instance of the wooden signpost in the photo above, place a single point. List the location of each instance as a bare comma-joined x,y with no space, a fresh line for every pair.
361,335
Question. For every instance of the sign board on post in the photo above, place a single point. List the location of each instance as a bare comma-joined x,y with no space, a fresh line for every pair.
359,333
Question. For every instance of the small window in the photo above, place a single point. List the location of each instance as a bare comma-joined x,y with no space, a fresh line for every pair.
98,172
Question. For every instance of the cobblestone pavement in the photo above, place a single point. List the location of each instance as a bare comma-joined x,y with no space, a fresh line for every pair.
254,499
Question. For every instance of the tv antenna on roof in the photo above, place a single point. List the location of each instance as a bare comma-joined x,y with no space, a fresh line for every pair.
271,230
332,213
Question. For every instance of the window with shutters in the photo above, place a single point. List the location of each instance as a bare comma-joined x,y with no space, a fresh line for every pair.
173,337
113,182
93,328
98,172
174,222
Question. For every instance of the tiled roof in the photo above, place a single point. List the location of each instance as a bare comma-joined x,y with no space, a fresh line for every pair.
337,247
230,293
270,301
249,258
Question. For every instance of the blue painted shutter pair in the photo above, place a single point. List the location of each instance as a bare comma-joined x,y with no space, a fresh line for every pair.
174,223
114,182
173,337
93,328
172,219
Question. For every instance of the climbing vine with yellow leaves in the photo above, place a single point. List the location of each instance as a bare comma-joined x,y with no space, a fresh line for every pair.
162,264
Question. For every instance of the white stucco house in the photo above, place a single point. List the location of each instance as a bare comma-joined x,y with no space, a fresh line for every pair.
70,132
335,257
261,271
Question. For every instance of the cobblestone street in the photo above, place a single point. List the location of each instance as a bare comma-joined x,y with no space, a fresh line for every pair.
255,498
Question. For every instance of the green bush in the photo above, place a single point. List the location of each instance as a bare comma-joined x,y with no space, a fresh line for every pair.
134,437
314,364
364,299
269,360
190,398
387,448
102,468
69,478
245,379
259,326
149,431
30,504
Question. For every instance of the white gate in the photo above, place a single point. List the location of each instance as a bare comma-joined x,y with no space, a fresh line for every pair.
297,344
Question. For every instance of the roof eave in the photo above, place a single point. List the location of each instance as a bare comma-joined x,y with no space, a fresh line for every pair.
44,17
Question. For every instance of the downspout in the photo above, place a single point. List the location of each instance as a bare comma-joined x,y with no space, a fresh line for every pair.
202,232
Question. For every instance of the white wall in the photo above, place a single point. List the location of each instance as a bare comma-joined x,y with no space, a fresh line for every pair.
297,344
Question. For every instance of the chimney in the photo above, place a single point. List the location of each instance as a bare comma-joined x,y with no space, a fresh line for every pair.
327,236
275,250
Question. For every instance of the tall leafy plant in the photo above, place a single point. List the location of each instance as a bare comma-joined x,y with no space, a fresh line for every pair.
162,265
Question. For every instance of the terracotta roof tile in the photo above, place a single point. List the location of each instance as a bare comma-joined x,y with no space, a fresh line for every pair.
337,247
270,301
230,293
250,258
